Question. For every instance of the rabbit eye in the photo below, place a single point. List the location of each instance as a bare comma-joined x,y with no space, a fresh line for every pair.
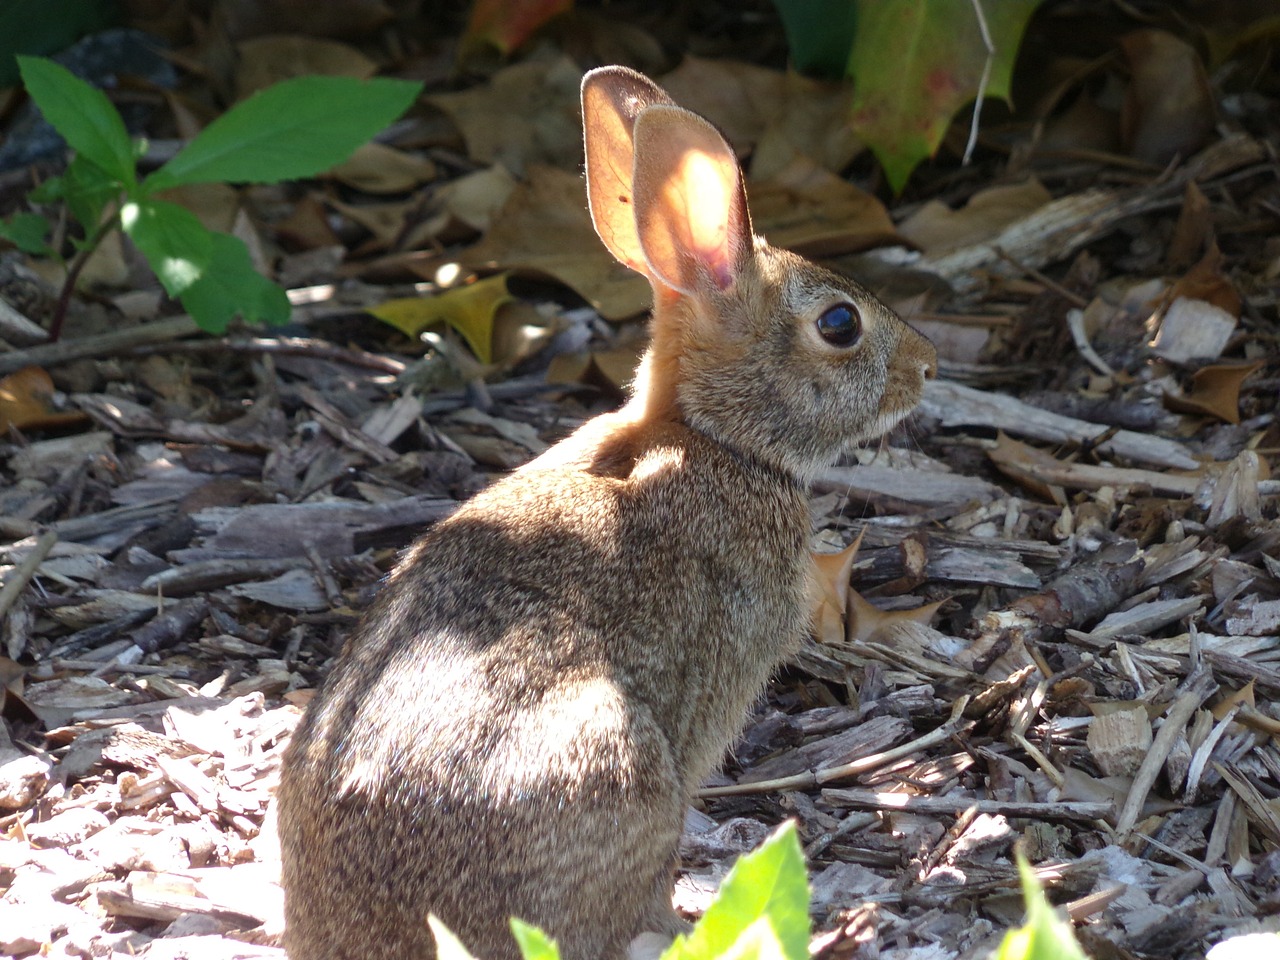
840,325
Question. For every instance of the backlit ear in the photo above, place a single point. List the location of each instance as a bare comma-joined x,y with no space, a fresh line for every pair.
691,206
612,98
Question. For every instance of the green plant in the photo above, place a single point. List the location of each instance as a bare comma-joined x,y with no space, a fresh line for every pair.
760,911
294,129
1045,935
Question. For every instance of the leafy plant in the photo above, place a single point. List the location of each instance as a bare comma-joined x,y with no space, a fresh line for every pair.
914,63
294,129
760,911
1045,935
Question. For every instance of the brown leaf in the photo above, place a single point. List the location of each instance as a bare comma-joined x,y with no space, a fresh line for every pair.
28,401
377,168
544,228
866,622
1168,108
1215,391
807,209
1193,232
829,591
267,60
935,227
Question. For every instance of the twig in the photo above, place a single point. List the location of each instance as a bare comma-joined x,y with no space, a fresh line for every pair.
804,781
1194,692
23,573
982,83
52,354
950,806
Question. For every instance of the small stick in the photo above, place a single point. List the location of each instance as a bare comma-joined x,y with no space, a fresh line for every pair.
948,806
23,573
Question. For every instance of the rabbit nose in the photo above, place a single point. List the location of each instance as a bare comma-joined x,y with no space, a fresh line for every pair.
931,367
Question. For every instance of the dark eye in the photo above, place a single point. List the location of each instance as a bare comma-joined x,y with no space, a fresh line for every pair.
840,325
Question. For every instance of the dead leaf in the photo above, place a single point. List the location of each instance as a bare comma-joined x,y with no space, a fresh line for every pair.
739,98
527,114
468,309
29,401
307,225
1215,391
1193,232
935,227
507,24
386,221
377,168
829,591
1242,697
544,228
270,59
812,211
1206,281
865,622
1168,109
464,207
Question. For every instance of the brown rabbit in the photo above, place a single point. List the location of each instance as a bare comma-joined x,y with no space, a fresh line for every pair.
517,726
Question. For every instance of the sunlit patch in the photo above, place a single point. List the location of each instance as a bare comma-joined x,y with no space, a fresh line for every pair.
447,275
707,185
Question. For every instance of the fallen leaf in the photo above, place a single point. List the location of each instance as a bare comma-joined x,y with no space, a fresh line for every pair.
915,64
1206,281
464,207
468,309
377,168
865,622
1193,232
935,227
1242,697
267,60
1168,108
1215,391
829,591
507,24
544,229
386,221
29,401
812,211
527,114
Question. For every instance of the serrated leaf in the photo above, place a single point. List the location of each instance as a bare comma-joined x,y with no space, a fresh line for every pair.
468,309
26,231
82,114
297,128
231,286
915,64
176,244
533,943
448,946
761,909
1045,935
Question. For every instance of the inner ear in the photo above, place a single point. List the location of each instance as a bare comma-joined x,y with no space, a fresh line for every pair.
690,203
612,99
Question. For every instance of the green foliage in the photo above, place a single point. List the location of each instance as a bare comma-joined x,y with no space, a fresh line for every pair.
1045,935
31,26
914,64
295,129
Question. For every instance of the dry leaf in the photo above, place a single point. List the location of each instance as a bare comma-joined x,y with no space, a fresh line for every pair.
1168,109
377,168
935,227
739,98
1215,391
829,591
864,621
528,113
268,60
28,401
468,309
508,24
544,228
1193,233
1243,696
612,369
464,207
812,211
307,225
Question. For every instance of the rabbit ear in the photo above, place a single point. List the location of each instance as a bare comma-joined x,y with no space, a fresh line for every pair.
691,206
612,98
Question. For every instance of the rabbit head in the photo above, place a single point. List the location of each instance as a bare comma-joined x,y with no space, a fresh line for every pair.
757,348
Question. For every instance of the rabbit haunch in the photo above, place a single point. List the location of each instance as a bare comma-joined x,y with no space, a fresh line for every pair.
517,725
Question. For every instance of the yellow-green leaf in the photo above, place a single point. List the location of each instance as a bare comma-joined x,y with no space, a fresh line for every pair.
468,309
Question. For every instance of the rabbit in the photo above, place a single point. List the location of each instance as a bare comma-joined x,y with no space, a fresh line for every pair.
517,726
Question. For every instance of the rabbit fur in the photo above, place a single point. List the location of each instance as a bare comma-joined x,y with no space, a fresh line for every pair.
519,722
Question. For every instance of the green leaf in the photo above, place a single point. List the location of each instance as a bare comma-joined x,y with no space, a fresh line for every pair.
761,909
82,114
1045,935
914,65
87,189
26,231
819,34
28,26
448,947
297,128
533,943
229,286
176,244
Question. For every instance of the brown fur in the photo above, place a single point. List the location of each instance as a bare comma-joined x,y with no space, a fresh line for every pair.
517,725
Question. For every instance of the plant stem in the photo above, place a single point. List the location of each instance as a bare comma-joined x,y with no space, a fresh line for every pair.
73,273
